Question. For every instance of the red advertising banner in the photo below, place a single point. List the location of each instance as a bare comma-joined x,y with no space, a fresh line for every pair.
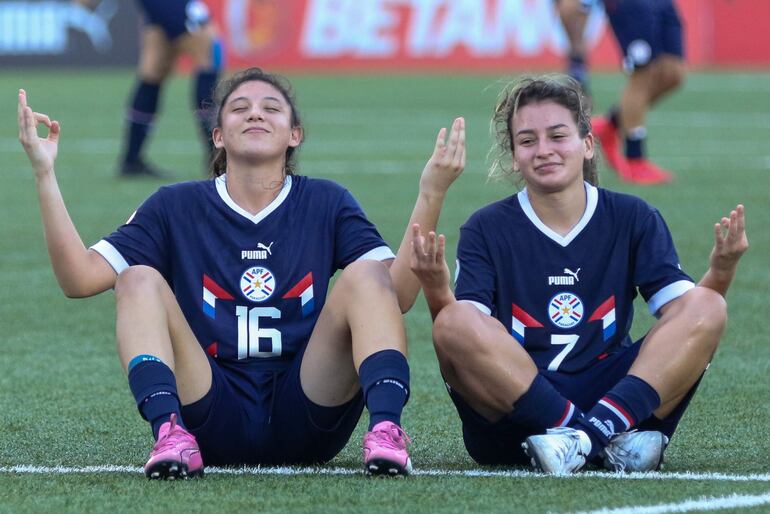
360,35
471,35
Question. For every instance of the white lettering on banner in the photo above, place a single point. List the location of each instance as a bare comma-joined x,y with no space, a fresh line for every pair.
435,28
41,27
336,27
420,38
465,24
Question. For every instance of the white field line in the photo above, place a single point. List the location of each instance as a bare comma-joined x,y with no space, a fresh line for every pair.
337,471
701,504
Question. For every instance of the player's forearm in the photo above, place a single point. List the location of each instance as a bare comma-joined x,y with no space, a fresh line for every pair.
70,258
718,280
426,213
438,298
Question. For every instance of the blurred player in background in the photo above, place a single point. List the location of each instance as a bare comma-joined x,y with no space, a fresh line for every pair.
172,28
224,325
649,33
534,342
574,17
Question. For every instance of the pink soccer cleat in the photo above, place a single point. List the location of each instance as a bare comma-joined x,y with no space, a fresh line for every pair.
175,454
645,172
609,140
385,450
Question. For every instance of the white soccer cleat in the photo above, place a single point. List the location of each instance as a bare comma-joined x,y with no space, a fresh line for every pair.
635,451
560,451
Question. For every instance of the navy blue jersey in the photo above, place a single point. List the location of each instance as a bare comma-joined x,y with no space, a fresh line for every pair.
568,300
250,286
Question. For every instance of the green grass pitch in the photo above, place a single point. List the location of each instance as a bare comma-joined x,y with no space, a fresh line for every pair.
64,400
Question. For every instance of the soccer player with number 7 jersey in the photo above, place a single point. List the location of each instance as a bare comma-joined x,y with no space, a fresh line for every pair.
534,342
236,350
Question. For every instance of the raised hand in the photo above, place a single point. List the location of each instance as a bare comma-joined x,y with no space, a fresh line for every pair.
427,259
40,151
447,161
730,241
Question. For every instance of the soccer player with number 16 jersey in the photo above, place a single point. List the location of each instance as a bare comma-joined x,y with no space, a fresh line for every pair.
235,351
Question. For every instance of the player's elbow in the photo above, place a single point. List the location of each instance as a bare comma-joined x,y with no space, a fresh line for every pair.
406,304
74,292
79,288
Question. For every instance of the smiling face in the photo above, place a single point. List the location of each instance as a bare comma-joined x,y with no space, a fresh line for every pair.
547,148
255,124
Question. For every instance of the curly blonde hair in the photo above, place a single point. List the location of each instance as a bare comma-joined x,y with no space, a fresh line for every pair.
560,89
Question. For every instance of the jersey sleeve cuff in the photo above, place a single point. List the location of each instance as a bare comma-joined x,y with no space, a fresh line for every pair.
111,255
668,293
382,253
480,306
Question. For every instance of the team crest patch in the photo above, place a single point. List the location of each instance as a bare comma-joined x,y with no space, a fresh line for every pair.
257,284
565,310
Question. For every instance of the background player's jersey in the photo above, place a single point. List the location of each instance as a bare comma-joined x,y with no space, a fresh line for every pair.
568,300
250,286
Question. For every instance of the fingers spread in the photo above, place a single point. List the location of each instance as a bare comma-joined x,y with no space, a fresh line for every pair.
440,140
441,248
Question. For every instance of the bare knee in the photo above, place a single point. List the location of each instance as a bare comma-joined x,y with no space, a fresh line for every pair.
137,280
706,313
457,332
365,277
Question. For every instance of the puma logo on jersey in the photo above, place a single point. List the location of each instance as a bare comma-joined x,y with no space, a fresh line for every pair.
267,248
568,279
262,253
573,273
253,254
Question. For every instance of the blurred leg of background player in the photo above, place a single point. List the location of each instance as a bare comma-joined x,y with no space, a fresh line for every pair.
172,28
574,16
649,33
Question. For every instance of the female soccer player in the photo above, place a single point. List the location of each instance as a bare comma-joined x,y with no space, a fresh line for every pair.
234,352
533,344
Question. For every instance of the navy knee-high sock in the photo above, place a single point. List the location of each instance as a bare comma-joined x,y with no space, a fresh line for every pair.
154,387
139,118
628,403
635,143
384,380
542,407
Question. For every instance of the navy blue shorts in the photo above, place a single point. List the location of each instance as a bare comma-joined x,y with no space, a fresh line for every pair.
267,419
175,17
645,29
499,443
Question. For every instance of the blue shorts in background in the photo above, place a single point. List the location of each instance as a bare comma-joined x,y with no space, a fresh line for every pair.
645,29
175,17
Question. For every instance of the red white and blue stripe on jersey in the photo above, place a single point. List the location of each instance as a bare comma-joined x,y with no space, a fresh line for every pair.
606,313
520,321
211,293
304,291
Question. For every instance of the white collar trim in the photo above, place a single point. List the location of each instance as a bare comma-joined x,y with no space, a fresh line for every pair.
592,198
221,183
